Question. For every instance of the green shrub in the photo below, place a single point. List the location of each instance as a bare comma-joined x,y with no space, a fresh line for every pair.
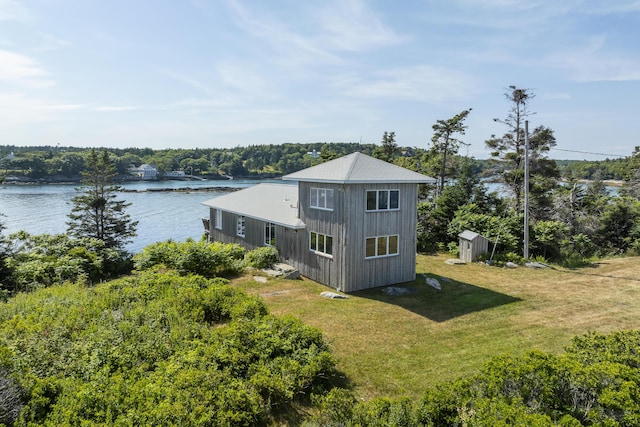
203,258
156,349
453,248
262,257
44,260
335,408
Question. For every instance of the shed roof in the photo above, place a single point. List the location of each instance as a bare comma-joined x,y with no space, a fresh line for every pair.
277,203
356,168
470,235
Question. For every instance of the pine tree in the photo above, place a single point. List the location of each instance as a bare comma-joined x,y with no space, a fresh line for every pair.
96,212
509,150
444,142
4,254
388,149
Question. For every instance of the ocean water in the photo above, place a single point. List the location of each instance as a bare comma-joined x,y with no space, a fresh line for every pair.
162,215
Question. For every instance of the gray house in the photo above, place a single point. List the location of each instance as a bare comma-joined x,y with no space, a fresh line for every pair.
349,223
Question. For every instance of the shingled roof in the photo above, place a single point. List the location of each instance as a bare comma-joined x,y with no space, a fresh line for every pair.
358,168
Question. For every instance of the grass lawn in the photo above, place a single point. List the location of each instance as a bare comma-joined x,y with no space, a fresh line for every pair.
398,345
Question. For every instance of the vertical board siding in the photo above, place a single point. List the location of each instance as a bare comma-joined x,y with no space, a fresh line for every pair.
317,267
371,272
349,224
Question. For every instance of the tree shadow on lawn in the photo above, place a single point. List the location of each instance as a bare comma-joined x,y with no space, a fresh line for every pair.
453,300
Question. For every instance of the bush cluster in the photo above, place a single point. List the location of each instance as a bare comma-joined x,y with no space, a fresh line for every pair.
596,382
156,349
43,260
262,257
203,258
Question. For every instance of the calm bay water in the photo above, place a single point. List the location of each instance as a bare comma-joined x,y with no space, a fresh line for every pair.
162,215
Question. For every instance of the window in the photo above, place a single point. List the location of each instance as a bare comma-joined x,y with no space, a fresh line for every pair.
322,198
240,227
321,243
218,223
269,234
383,200
381,246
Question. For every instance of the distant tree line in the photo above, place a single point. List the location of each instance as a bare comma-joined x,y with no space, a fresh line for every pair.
251,161
67,163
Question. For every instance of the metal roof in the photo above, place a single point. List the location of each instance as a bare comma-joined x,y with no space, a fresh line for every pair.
358,168
277,203
470,235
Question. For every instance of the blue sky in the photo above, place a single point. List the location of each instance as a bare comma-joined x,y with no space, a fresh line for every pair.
226,73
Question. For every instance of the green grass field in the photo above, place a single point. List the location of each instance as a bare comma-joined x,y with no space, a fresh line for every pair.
399,345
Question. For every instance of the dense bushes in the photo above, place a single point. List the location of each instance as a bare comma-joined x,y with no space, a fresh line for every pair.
596,382
206,259
43,260
156,349
261,257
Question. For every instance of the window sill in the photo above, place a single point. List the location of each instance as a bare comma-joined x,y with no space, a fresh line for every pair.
322,254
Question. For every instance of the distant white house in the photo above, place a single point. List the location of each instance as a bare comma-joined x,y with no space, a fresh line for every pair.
145,172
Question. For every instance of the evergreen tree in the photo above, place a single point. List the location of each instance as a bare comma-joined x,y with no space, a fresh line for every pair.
631,185
444,142
4,254
389,148
509,151
434,217
96,212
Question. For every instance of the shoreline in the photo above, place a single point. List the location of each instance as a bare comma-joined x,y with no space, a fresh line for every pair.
223,189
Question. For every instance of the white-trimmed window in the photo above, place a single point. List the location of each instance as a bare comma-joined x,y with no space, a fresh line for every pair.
218,223
381,246
383,200
240,225
321,243
322,198
269,234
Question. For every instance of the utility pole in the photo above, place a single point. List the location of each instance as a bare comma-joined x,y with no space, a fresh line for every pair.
526,190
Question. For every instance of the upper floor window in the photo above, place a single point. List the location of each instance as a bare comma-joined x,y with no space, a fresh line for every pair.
383,200
321,243
322,198
269,234
218,223
240,226
381,246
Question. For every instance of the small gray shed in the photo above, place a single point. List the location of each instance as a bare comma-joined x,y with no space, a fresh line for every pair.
472,245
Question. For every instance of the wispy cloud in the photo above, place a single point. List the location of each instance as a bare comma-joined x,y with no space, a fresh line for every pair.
419,83
319,35
610,7
596,62
18,109
49,42
59,107
22,70
188,80
277,35
115,108
350,25
12,10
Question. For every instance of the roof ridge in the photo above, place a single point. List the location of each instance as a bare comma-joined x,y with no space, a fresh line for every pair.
356,156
